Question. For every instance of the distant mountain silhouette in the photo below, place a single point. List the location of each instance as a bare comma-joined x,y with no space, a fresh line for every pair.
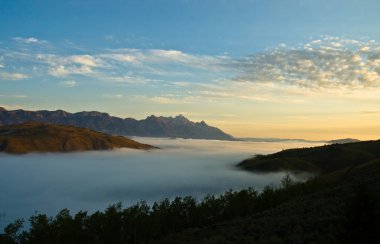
42,137
273,139
152,126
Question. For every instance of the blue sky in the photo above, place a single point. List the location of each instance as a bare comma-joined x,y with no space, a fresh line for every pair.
238,27
253,68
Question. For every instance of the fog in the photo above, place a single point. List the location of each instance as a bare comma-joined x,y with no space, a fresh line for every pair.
47,183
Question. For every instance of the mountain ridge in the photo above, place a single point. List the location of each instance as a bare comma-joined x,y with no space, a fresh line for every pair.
152,126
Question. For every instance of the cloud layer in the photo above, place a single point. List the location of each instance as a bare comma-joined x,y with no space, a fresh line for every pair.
330,62
49,182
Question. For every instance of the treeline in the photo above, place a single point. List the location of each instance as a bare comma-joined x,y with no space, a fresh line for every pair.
141,223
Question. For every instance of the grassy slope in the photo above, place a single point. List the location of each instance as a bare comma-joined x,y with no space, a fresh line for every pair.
343,207
321,159
41,137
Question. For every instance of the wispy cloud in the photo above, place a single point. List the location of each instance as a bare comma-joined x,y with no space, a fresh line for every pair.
13,96
29,40
151,57
170,100
13,76
87,60
126,79
164,99
119,64
113,96
60,65
68,83
370,112
63,71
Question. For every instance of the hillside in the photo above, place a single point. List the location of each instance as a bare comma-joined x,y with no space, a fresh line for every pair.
152,126
321,159
41,137
342,207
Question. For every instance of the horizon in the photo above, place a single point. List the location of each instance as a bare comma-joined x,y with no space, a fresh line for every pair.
193,121
294,69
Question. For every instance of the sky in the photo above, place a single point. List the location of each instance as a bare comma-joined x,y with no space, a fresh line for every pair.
254,68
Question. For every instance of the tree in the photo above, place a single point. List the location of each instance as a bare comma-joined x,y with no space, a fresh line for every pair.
12,231
286,182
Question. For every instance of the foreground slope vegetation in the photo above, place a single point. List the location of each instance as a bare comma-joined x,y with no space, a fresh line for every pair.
42,137
321,159
341,206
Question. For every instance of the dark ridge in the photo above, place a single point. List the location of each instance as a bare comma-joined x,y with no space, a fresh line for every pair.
321,159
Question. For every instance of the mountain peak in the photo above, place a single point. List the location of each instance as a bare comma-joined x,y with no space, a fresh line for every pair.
181,118
151,117
203,123
62,112
2,109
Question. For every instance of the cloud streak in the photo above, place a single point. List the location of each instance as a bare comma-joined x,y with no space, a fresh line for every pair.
62,66
29,40
68,83
13,96
113,96
116,64
13,76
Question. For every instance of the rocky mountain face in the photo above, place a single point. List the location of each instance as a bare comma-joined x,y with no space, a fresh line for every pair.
152,126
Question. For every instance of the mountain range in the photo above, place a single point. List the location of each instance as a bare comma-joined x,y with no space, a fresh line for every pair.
152,126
